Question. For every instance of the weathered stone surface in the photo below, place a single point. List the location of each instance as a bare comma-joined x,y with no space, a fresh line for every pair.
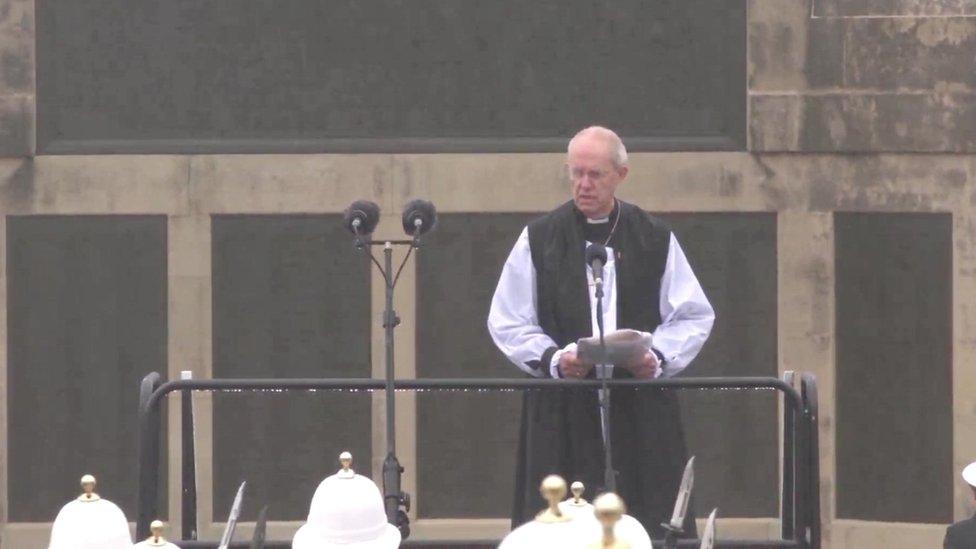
59,185
862,76
287,183
775,122
777,35
906,53
855,8
826,63
909,122
16,46
17,125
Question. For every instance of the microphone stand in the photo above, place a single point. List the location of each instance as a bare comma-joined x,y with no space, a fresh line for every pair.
396,502
609,478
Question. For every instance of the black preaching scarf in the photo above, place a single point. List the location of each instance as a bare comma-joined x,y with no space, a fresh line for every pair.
561,431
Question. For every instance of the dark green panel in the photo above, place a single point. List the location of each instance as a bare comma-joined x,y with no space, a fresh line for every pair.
87,320
291,299
734,434
894,366
340,75
466,441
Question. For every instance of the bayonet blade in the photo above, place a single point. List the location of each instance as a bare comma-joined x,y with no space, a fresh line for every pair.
235,511
708,537
684,496
257,541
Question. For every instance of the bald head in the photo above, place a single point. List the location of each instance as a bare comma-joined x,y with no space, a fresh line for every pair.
597,163
614,145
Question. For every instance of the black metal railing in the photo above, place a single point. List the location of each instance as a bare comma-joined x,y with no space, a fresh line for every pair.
800,506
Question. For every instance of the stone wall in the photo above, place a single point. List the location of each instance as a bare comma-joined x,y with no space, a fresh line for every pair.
863,107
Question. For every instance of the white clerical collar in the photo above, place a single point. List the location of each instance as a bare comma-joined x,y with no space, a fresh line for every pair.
598,221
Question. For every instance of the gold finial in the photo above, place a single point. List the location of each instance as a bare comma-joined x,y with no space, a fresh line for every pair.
553,489
345,460
88,484
156,539
577,490
608,509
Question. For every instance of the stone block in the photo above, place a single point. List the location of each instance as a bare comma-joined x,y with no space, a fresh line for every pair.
860,8
907,53
16,46
874,122
775,122
777,37
17,125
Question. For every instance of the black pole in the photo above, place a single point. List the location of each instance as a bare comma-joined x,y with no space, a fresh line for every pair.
390,322
147,482
189,476
789,464
801,487
609,477
808,392
392,471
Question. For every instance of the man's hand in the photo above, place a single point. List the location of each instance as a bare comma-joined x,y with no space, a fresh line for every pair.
571,367
645,368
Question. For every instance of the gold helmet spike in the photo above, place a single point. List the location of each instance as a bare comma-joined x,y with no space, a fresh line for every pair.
156,539
577,489
88,484
345,460
553,490
608,509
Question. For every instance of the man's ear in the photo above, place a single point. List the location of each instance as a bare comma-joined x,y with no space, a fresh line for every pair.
622,171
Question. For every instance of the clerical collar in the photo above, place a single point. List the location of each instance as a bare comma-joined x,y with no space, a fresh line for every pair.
600,230
601,220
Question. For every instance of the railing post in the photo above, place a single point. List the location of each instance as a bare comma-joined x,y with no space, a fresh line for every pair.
147,482
787,498
811,406
189,470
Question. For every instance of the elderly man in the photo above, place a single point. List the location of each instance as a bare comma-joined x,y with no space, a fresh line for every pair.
545,302
962,535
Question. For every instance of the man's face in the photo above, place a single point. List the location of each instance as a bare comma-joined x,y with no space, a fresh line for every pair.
594,176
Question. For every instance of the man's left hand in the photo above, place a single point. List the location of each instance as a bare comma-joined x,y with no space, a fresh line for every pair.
645,368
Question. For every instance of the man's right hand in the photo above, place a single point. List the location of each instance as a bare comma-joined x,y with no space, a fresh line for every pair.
571,367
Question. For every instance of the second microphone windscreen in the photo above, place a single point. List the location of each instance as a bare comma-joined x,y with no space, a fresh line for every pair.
419,217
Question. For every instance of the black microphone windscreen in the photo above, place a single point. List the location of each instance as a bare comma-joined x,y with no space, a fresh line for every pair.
368,214
422,211
596,251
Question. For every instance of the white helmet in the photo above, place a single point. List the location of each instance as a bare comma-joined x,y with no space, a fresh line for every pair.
535,534
90,525
347,512
969,474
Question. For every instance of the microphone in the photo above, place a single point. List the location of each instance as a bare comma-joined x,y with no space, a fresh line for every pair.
361,217
596,257
419,217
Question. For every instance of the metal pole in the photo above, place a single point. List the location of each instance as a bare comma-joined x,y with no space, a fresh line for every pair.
609,476
148,467
189,477
390,321
787,502
393,497
808,392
